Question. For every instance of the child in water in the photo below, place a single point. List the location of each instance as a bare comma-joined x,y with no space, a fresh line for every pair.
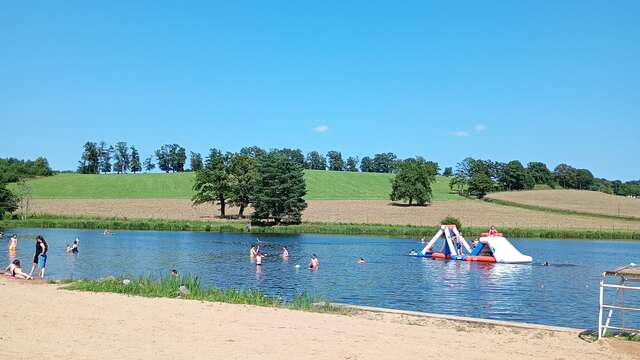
314,262
259,257
13,243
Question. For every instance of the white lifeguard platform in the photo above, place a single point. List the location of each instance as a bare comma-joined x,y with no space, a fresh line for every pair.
625,278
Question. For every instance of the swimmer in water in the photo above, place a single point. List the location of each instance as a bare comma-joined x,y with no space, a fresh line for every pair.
67,249
546,263
259,257
174,273
13,243
253,251
413,253
285,252
361,261
314,263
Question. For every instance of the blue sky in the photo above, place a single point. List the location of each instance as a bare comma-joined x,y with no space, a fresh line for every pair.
535,81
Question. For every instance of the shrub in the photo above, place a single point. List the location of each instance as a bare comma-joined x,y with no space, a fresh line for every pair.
450,220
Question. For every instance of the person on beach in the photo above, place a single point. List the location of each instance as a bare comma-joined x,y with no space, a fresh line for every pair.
361,260
13,243
14,270
285,252
40,257
314,263
493,231
74,248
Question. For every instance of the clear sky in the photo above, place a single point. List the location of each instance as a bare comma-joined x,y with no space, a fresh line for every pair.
551,81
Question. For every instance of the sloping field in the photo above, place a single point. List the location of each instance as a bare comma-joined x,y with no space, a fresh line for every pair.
592,202
324,185
473,213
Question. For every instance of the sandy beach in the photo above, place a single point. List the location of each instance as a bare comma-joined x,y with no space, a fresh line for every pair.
44,322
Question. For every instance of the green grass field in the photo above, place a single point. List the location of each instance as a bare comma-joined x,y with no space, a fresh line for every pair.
321,185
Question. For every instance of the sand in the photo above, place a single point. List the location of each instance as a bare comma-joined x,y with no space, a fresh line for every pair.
49,323
470,212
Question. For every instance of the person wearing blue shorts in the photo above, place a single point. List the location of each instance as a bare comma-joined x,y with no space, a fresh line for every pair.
40,257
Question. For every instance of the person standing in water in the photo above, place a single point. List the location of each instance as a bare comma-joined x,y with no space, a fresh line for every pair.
74,248
259,257
13,243
285,253
253,251
40,257
314,262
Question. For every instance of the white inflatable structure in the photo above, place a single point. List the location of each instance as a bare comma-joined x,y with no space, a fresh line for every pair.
489,248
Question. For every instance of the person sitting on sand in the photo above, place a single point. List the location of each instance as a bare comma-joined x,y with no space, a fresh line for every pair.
314,262
13,243
285,252
253,251
493,231
361,261
14,270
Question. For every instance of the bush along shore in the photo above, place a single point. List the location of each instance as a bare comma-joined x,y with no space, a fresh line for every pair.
52,221
189,287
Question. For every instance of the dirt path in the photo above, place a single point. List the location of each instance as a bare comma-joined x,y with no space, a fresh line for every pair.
470,212
44,322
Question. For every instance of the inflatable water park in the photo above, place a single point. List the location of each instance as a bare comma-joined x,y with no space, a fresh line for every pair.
491,247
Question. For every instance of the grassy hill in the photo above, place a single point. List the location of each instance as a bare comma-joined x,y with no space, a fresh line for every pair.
321,185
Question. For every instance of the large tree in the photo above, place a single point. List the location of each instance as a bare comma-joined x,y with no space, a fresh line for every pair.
294,155
367,165
513,176
149,164
448,171
351,164
214,183
171,157
315,161
335,160
136,166
122,159
242,171
90,160
280,189
105,153
196,161
8,201
540,173
413,181
384,162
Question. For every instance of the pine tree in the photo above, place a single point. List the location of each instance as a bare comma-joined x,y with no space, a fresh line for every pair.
280,189
135,160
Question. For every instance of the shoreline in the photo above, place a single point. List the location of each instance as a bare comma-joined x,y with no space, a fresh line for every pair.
241,226
80,325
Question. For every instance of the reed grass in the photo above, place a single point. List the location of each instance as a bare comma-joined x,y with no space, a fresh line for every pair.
189,287
54,221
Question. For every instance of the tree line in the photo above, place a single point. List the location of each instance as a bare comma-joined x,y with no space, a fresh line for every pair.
12,169
477,177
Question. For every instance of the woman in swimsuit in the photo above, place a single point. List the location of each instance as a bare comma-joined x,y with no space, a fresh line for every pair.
40,256
14,270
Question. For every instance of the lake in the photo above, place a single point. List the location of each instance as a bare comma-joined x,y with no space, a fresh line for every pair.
564,294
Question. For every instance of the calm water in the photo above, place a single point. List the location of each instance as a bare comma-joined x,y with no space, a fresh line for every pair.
562,294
